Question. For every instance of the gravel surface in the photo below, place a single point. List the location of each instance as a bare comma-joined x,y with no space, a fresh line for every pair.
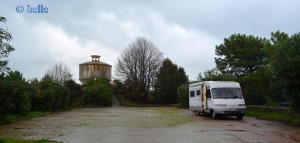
148,125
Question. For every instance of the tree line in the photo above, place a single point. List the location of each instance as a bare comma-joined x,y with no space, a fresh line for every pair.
268,69
19,96
143,76
55,91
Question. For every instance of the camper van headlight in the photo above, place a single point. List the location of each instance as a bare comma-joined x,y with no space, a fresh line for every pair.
220,105
242,105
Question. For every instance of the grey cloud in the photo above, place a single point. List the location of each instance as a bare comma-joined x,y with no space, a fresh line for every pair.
186,31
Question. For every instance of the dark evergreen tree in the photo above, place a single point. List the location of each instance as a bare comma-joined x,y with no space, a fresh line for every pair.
168,79
286,69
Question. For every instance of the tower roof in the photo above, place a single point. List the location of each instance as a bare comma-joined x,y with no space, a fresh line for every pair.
95,61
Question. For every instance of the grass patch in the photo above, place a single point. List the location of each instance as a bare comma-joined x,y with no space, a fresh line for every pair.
34,114
165,111
169,117
8,119
127,103
290,118
15,140
172,120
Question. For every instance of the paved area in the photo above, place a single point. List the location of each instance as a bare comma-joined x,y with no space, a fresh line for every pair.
148,125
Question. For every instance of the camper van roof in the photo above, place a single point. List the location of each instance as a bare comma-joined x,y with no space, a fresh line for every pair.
218,84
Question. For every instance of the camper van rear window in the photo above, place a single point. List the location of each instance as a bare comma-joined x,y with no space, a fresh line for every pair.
227,93
192,93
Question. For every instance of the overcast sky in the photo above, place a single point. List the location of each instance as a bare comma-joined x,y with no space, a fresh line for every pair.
186,31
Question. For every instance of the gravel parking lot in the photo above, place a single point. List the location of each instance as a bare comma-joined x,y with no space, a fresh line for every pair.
148,125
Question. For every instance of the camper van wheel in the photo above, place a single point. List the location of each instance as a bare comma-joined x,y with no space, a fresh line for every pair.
214,115
239,117
199,113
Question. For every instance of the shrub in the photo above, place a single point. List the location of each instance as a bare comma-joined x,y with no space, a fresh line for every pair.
14,95
97,91
50,96
183,95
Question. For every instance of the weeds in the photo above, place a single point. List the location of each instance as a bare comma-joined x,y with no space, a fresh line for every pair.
8,119
170,118
14,140
290,118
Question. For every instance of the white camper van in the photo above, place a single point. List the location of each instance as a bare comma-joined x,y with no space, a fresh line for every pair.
218,98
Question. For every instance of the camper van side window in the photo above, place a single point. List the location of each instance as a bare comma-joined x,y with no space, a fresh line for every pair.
198,92
192,93
208,95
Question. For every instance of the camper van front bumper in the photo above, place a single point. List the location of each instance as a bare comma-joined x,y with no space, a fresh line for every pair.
232,111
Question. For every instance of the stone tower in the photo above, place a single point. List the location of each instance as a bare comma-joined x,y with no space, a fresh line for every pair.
94,68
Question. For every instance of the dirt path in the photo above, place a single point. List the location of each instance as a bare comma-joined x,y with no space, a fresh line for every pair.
148,125
115,101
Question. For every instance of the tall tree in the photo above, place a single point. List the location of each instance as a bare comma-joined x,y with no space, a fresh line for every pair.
277,38
168,79
5,47
214,75
59,73
246,58
241,54
182,77
138,65
286,67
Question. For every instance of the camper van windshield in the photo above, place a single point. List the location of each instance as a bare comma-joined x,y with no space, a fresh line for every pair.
226,93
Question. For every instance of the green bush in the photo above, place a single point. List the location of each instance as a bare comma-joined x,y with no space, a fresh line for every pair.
75,93
183,95
49,96
14,95
7,119
18,97
97,91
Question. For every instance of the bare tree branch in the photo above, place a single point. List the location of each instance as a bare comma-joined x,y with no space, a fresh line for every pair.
139,64
60,73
